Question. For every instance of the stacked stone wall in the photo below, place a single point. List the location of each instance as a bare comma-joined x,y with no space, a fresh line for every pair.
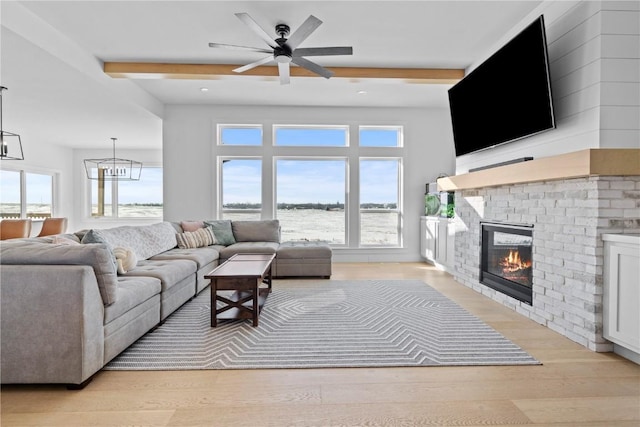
568,218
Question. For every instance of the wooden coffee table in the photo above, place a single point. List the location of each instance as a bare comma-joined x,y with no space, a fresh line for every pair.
244,274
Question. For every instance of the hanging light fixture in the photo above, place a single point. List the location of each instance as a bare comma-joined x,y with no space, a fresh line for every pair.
10,143
113,168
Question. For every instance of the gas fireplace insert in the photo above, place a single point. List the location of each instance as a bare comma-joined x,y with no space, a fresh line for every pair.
506,259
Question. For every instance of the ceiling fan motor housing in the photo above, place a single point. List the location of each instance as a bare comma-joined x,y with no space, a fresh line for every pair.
283,52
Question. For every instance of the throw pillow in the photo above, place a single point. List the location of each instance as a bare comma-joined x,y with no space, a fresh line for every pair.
191,225
222,230
196,239
126,259
94,236
61,240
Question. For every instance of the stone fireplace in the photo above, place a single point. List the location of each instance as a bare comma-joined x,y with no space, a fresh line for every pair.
567,217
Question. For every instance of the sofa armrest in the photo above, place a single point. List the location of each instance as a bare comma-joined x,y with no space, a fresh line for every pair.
51,324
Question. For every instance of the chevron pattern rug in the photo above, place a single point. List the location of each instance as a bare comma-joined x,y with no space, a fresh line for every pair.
327,323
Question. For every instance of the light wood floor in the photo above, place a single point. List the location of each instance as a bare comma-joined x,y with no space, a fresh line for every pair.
573,387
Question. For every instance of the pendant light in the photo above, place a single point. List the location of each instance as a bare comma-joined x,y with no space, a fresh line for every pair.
113,168
10,143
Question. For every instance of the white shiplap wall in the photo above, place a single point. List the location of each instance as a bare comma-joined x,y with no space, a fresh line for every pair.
594,55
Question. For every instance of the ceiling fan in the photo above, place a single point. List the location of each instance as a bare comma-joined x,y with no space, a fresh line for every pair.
284,50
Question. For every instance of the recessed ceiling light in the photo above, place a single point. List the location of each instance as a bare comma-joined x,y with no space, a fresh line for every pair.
204,89
362,92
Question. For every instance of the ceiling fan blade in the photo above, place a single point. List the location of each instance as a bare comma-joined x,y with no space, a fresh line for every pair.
235,47
283,70
312,66
300,35
244,17
323,51
253,64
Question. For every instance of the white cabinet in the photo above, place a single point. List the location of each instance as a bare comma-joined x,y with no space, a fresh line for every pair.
437,241
622,293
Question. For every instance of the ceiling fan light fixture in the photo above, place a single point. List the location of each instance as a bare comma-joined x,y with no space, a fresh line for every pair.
283,58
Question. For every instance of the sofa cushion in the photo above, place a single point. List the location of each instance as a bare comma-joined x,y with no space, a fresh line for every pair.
145,240
132,291
196,239
170,272
222,230
96,255
201,256
304,250
267,230
248,248
61,239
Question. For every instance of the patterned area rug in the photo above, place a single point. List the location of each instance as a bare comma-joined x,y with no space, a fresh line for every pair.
327,323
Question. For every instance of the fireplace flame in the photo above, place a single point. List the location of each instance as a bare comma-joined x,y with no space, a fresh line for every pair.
513,262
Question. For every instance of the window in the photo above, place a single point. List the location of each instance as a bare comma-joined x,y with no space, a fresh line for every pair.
317,184
129,199
380,136
26,194
241,189
380,218
308,136
240,134
311,199
141,199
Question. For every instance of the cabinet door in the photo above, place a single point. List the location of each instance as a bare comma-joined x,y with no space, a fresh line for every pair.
622,296
442,250
428,234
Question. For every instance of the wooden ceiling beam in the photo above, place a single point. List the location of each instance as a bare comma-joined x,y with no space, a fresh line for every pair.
152,70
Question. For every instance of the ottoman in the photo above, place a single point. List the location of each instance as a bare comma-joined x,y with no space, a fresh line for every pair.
303,259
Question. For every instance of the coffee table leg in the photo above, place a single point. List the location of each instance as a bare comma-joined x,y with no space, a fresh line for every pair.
256,294
214,303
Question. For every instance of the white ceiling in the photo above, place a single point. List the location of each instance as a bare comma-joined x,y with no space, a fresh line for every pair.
52,53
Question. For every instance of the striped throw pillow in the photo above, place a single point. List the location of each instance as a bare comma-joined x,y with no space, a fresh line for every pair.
196,239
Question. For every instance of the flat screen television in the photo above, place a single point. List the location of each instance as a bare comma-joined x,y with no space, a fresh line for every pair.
507,97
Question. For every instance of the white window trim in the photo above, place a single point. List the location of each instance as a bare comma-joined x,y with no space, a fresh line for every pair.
23,171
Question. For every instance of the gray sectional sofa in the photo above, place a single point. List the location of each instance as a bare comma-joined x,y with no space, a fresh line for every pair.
68,306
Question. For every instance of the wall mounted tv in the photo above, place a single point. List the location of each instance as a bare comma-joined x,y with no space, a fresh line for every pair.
507,97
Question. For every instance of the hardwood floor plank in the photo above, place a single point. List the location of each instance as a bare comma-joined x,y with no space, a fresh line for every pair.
161,399
485,390
573,387
89,419
609,409
403,414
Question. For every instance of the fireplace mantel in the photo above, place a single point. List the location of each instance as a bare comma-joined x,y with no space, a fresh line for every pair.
590,162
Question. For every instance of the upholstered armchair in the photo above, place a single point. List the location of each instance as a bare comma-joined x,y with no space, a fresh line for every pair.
52,226
14,228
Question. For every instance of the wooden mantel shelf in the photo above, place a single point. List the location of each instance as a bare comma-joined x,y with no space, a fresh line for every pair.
583,163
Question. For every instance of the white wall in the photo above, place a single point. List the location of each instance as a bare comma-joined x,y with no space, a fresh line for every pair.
594,65
190,150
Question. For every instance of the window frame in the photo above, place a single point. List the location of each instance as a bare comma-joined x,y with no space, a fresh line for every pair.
220,182
345,159
275,128
221,126
351,153
398,128
399,210
24,190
